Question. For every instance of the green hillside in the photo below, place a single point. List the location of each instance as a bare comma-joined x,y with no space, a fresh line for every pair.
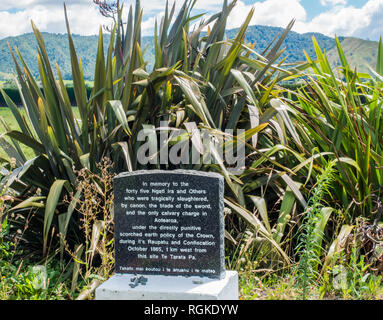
57,48
295,43
358,51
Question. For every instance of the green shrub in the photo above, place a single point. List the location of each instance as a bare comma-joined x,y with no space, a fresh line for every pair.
186,87
339,113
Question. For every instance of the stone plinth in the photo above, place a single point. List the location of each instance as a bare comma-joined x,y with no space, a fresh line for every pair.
159,287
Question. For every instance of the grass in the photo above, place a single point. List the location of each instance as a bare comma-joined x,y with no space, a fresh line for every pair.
273,286
22,279
7,116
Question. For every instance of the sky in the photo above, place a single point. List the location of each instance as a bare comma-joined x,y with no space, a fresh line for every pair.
358,18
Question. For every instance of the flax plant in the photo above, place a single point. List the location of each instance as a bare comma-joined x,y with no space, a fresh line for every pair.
340,112
199,80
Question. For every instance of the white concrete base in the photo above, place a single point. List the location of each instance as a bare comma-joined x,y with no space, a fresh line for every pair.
170,288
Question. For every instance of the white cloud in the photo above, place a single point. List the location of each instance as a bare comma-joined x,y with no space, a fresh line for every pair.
362,22
9,4
339,17
48,15
268,12
24,4
154,10
83,16
159,5
333,2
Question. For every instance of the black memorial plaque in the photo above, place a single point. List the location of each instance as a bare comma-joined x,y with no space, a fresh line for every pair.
169,223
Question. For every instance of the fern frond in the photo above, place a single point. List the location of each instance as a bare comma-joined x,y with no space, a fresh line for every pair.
309,237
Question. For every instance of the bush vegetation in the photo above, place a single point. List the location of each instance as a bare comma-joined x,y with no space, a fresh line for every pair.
300,143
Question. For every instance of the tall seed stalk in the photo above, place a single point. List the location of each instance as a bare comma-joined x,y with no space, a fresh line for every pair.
310,233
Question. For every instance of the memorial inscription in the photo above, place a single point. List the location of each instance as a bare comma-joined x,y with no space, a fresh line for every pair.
169,223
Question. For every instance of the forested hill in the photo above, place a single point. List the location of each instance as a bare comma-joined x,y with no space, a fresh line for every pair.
357,50
295,43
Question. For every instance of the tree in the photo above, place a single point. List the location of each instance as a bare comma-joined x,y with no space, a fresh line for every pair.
108,9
